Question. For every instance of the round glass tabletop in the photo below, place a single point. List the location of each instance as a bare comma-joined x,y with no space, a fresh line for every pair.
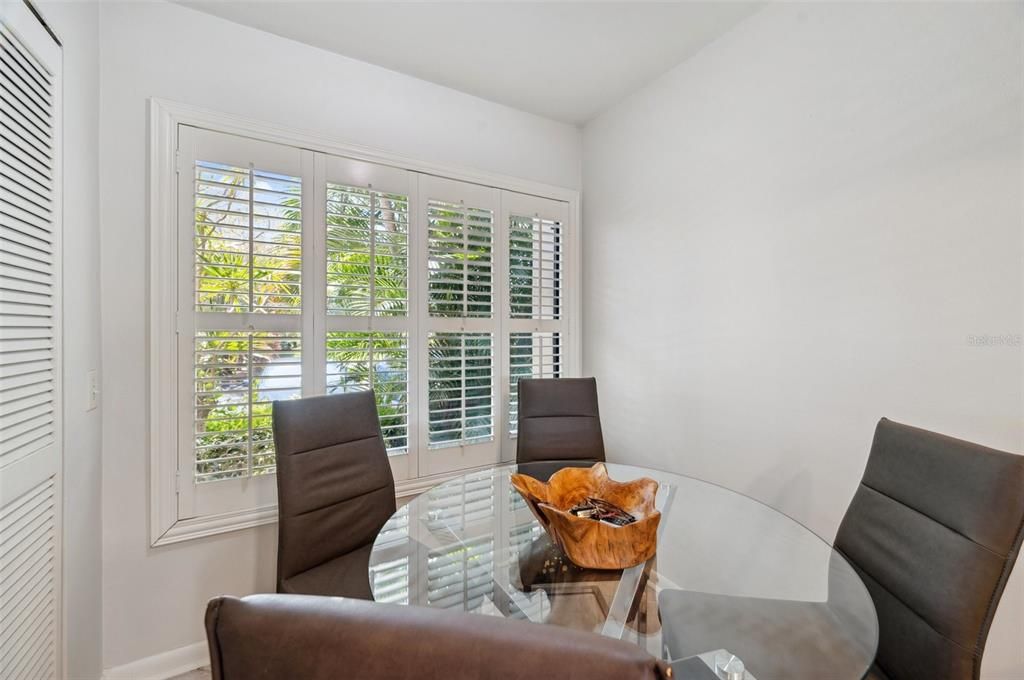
730,575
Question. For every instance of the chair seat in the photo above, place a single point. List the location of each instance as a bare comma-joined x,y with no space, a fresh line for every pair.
345,576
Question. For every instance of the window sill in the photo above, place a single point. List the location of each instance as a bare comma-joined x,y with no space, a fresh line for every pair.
212,525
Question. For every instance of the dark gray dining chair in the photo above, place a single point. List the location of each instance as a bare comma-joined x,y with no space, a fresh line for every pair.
559,421
335,491
322,638
933,530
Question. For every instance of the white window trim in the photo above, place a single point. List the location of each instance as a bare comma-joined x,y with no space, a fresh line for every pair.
164,118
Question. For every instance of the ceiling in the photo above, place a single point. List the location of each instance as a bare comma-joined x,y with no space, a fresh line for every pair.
563,60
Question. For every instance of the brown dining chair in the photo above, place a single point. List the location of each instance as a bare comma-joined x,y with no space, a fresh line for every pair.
559,421
335,491
933,530
324,638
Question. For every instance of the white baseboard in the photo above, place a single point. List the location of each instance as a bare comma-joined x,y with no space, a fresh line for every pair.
162,666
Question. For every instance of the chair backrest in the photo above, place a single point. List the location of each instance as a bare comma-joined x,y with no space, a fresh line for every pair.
934,530
559,420
335,489
325,638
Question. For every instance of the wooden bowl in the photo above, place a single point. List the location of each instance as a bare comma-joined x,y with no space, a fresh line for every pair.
587,542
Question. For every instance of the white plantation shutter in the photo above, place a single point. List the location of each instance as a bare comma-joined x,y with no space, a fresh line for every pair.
535,303
368,289
240,314
460,246
530,355
461,283
299,273
367,252
30,369
461,383
359,360
535,251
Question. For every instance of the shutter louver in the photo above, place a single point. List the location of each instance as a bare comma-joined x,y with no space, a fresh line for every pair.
459,388
530,355
247,301
535,268
460,248
237,376
367,252
359,360
248,240
27,276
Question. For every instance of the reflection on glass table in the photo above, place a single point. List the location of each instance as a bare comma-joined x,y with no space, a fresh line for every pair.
730,573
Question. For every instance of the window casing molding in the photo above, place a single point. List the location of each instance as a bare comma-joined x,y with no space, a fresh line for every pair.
164,118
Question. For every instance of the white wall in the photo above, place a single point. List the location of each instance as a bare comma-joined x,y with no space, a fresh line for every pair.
153,599
801,227
76,24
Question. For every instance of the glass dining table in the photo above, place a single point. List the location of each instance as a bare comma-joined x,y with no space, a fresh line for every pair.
731,578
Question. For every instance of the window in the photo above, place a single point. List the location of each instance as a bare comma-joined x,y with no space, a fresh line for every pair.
297,272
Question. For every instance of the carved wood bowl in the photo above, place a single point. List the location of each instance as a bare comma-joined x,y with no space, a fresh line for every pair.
586,542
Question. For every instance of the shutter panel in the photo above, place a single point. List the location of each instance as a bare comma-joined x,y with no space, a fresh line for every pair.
237,377
248,240
461,324
240,309
359,360
460,244
368,293
535,268
535,298
30,382
530,355
367,252
461,408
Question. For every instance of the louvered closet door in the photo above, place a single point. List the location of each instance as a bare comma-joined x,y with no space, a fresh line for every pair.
535,298
30,434
460,340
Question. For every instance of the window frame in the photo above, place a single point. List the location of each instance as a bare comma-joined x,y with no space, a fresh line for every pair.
165,117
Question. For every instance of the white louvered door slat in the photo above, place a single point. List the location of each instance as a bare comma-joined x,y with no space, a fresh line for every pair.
30,436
